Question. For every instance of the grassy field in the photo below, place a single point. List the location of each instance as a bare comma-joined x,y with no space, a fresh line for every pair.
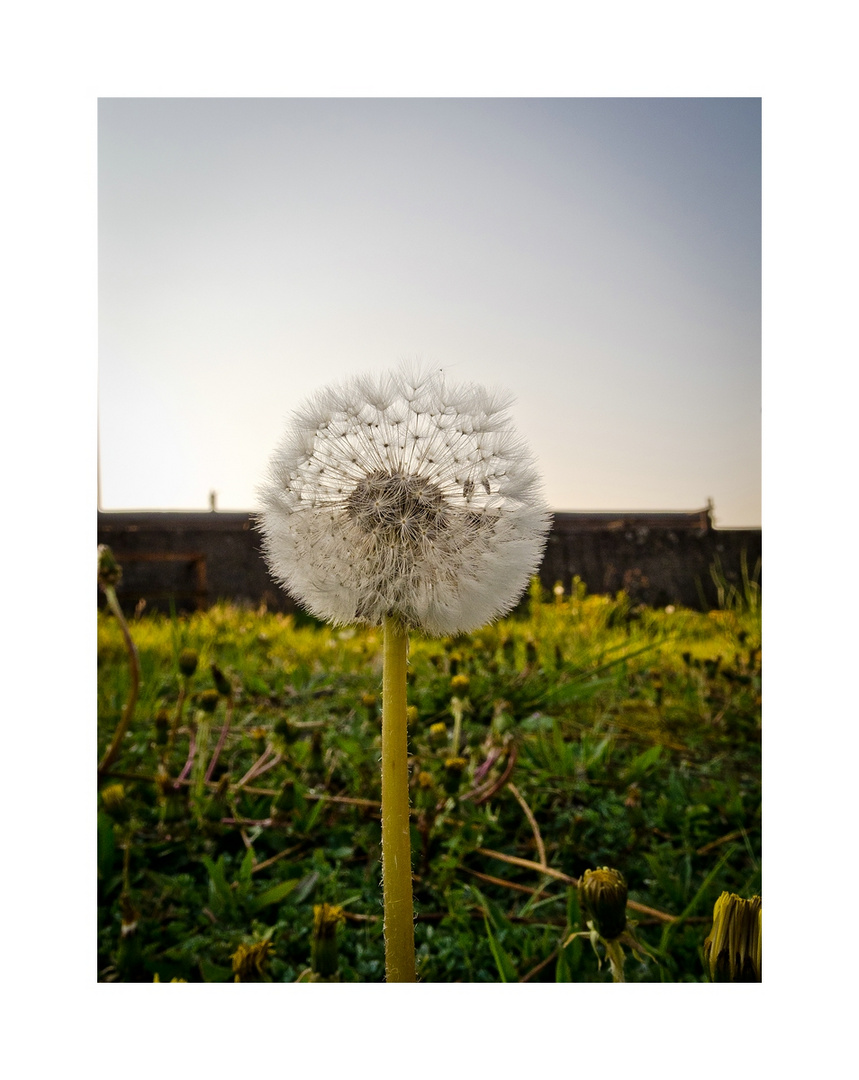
581,732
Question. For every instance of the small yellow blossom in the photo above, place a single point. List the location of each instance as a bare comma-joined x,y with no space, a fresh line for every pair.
438,733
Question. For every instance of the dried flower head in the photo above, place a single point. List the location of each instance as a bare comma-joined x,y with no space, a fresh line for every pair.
249,960
188,660
403,496
602,895
113,799
327,918
733,946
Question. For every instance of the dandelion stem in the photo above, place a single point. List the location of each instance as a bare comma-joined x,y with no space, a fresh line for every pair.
396,846
221,740
128,711
189,761
177,719
199,780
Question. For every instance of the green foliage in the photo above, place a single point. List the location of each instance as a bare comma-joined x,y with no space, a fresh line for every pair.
631,735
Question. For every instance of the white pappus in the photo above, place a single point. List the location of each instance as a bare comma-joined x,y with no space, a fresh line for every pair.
401,495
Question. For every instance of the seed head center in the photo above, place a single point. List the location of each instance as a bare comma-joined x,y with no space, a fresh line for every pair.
397,507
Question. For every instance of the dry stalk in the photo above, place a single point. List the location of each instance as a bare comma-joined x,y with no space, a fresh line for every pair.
532,821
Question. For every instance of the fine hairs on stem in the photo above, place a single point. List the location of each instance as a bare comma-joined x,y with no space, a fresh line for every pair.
396,850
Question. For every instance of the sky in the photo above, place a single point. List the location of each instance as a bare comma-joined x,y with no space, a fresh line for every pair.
599,258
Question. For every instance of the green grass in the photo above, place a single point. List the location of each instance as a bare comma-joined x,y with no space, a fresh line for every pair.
634,740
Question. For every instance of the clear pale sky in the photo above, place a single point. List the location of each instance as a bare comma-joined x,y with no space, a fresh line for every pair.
600,258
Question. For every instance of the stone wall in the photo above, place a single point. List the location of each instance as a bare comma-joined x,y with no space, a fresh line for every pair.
658,559
196,558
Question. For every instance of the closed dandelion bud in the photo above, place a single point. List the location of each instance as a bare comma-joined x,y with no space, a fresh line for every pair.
222,683
208,700
317,755
369,701
454,768
455,661
411,714
163,782
425,790
438,734
531,654
188,660
459,683
109,570
162,727
249,961
602,896
285,730
509,649
327,918
115,803
733,947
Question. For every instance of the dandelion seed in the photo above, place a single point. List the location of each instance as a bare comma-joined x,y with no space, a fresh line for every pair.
422,491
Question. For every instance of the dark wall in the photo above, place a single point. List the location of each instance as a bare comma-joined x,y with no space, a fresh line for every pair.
657,559
192,558
198,558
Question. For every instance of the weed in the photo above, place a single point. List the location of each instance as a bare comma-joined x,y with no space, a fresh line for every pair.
567,737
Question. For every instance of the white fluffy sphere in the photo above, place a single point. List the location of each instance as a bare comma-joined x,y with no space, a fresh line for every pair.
401,495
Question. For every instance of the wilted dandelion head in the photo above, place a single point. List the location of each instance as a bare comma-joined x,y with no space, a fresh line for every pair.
401,495
249,959
733,946
602,895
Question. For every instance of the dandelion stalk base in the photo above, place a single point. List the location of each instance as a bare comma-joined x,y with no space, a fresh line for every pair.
396,845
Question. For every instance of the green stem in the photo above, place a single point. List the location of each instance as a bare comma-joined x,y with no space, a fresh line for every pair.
198,768
128,711
221,740
177,719
456,709
615,959
396,846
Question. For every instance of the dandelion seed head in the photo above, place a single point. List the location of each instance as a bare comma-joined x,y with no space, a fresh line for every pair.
402,495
